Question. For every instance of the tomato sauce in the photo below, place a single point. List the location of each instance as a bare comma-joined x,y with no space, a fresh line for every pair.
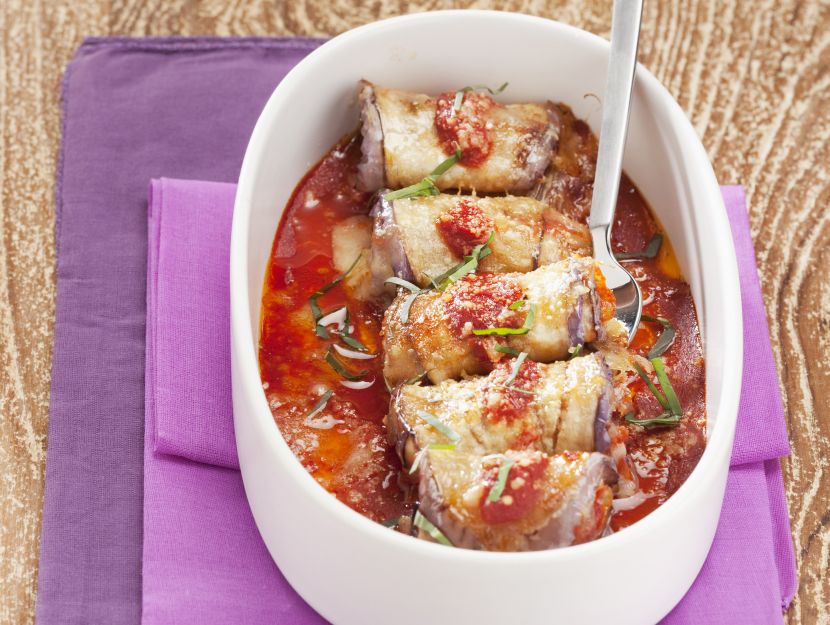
465,128
479,301
503,396
345,448
663,457
521,490
463,226
343,445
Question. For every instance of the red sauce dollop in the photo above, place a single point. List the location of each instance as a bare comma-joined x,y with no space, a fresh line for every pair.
482,300
466,127
507,404
521,490
463,226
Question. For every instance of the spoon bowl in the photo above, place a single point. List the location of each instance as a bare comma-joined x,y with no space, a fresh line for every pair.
622,284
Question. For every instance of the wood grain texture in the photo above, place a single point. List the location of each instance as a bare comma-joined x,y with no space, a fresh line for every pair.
753,76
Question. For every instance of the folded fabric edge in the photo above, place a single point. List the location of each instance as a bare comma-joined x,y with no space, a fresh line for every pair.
782,533
164,440
41,609
64,107
154,199
154,189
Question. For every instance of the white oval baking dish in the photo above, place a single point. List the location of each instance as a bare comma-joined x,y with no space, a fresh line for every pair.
356,572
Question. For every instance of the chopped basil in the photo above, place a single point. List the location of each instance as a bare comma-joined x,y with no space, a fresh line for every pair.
352,342
421,522
468,266
340,368
444,165
666,338
420,455
665,384
506,349
531,316
319,330
414,290
407,304
321,403
393,522
514,371
651,250
417,460
470,263
665,395
459,95
577,350
346,336
432,281
416,378
439,425
404,283
426,186
515,389
662,419
659,395
501,480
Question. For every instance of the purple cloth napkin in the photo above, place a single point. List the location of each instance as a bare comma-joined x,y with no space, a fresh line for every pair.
132,110
197,521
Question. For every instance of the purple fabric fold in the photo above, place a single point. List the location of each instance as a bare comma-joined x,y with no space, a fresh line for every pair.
191,408
747,578
132,110
761,433
203,559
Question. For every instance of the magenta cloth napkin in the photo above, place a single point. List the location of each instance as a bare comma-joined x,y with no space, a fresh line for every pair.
197,525
133,109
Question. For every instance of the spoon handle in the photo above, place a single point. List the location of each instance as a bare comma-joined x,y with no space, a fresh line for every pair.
625,35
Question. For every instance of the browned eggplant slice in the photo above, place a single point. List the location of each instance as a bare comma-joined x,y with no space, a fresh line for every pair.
453,333
547,407
401,143
516,501
421,238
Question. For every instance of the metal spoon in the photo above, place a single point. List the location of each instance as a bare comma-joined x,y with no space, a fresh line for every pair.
625,34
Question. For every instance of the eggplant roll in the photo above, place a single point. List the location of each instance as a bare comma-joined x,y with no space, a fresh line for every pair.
461,330
418,239
557,407
539,502
504,148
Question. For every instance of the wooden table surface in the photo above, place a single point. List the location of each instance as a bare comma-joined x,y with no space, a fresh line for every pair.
753,76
